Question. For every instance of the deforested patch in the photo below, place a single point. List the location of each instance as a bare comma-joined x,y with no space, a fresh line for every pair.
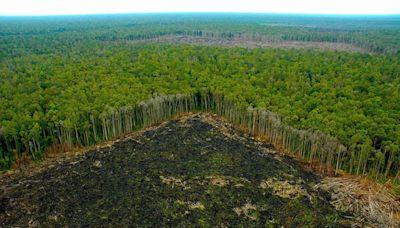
250,43
193,171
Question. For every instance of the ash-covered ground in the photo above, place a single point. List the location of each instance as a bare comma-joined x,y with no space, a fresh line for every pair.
192,171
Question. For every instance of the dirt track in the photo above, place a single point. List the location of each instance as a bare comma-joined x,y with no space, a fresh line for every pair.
191,171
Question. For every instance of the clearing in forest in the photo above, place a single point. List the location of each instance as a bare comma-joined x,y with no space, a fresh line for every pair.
251,43
192,170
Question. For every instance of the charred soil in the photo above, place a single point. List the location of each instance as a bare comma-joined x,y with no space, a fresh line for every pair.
194,170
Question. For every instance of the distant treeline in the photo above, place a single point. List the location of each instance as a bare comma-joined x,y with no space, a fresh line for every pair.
375,34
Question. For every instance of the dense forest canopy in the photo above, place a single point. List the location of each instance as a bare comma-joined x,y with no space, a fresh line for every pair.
58,69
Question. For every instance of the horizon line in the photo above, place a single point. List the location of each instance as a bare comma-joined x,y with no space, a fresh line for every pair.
196,12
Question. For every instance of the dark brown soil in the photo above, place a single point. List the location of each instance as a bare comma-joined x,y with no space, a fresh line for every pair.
194,171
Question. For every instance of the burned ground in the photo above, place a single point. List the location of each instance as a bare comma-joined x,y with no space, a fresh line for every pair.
190,171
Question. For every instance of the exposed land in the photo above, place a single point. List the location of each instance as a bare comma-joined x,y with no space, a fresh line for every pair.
192,170
250,43
185,172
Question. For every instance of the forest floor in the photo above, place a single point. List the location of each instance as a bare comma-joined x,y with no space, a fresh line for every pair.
193,170
248,43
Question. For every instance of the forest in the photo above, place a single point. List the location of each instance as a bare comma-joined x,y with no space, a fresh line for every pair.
79,80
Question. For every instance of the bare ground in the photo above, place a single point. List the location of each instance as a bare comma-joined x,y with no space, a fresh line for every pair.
249,43
192,171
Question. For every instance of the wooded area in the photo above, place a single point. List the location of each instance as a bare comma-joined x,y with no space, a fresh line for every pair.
76,80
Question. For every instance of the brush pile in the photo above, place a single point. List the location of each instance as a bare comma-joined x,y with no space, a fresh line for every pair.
374,203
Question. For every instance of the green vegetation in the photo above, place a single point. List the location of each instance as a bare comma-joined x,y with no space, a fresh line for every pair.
74,80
